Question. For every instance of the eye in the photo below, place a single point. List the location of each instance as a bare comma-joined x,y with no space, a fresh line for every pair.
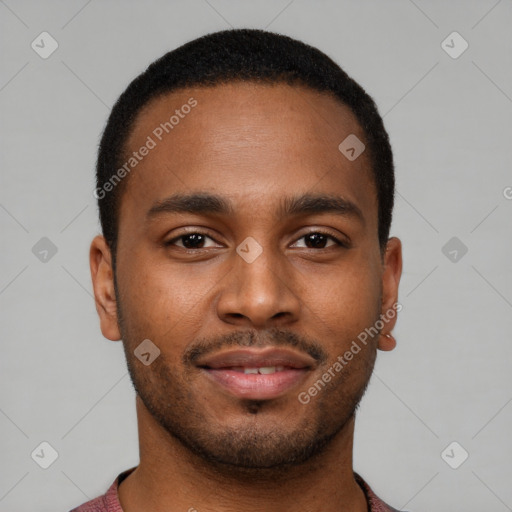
193,240
317,240
197,240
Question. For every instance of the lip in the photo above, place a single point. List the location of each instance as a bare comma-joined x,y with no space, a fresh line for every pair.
257,358
223,369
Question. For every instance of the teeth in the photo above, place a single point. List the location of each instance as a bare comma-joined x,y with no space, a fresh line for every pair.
264,370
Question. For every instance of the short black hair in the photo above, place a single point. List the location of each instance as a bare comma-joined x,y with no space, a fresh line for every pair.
240,55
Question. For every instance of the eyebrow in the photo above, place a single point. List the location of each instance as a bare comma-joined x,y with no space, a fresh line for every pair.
304,204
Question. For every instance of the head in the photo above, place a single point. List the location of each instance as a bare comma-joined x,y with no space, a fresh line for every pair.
231,219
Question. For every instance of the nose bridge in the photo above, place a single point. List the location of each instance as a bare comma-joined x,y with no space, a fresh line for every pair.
257,270
258,287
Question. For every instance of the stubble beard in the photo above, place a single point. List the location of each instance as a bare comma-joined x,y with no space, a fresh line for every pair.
252,448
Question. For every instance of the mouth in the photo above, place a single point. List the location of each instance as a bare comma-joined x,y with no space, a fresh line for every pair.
257,374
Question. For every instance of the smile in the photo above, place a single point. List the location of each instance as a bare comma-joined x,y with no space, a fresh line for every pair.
257,373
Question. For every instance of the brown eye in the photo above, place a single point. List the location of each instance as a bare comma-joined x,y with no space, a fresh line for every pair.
191,241
318,240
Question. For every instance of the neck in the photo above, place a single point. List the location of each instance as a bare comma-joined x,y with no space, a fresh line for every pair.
170,478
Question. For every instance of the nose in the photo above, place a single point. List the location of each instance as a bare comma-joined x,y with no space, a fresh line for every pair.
260,294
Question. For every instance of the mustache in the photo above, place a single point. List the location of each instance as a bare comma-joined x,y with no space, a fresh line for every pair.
271,337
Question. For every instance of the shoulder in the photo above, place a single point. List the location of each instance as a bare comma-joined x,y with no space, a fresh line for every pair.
375,504
98,504
108,502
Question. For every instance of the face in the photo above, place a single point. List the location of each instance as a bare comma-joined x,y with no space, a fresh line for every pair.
248,254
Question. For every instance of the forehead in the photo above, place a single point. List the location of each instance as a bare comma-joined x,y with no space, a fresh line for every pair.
247,108
248,141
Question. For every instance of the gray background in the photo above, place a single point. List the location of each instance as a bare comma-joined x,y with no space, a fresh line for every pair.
449,122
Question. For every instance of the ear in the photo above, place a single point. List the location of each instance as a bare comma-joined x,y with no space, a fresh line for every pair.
390,281
102,274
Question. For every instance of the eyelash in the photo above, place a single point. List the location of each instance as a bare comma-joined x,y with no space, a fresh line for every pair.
338,242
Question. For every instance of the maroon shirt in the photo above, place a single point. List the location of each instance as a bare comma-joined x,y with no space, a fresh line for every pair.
109,502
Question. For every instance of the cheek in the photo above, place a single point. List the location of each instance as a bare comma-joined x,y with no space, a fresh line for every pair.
147,287
343,308
160,303
351,295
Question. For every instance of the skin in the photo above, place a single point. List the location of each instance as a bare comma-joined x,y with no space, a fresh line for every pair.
202,448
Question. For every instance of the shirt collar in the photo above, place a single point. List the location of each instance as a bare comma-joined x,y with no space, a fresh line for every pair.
375,504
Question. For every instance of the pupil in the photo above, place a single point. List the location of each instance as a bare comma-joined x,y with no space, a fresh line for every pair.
195,237
317,239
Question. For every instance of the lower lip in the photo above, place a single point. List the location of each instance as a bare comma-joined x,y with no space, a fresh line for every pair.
256,386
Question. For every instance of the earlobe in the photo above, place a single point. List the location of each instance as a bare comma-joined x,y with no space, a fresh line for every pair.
102,275
390,281
386,342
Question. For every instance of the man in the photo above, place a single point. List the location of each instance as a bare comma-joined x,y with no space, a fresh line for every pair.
245,186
